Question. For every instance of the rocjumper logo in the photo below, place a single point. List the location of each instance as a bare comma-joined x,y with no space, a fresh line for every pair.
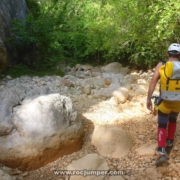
160,135
86,172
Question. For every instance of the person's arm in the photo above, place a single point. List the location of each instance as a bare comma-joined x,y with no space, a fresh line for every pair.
152,86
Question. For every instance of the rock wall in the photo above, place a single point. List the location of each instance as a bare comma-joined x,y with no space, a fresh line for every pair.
9,9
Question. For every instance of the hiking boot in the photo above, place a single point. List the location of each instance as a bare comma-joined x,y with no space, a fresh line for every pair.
169,146
161,157
161,160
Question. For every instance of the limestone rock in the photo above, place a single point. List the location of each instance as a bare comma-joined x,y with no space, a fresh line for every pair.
146,149
95,82
111,140
151,173
45,127
140,90
116,178
113,101
10,98
5,176
124,70
89,162
121,94
114,67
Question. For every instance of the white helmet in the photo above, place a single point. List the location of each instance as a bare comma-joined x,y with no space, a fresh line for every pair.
174,47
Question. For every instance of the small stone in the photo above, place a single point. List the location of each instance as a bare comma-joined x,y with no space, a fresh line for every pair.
24,174
141,169
162,169
9,77
5,168
68,160
53,168
173,173
151,173
109,156
159,175
141,137
174,178
16,172
167,178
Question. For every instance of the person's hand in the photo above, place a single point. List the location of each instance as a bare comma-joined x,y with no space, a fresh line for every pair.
149,105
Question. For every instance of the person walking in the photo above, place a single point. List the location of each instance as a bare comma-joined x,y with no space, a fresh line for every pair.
167,110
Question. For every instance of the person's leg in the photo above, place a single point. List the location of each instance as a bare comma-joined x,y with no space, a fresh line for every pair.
162,125
172,125
171,130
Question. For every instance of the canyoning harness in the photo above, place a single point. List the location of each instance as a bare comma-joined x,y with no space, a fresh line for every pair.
155,109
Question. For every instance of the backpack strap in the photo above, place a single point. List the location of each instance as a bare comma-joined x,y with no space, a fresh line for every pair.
167,82
160,99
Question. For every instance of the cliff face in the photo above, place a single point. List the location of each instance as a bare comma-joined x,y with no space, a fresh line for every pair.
9,9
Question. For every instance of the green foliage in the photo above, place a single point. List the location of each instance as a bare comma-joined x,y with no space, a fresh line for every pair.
35,39
153,25
131,32
33,7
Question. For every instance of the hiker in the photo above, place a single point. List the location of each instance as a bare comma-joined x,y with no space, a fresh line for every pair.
167,109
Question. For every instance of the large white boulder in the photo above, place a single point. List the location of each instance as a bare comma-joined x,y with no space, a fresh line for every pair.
39,129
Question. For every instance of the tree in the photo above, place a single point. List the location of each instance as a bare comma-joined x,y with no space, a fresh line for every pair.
133,32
